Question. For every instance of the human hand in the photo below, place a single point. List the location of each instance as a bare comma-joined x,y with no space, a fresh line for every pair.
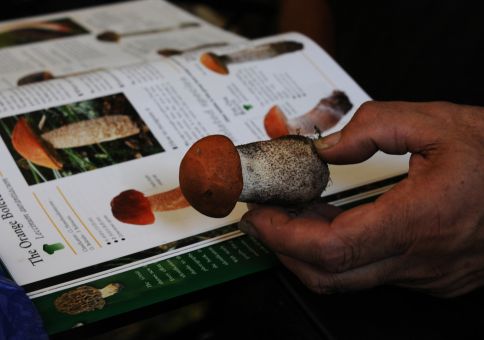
426,233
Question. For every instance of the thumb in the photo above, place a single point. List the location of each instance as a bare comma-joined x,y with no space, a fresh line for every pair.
391,127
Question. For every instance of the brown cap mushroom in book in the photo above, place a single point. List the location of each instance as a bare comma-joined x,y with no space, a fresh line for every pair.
133,207
321,117
215,174
39,149
218,63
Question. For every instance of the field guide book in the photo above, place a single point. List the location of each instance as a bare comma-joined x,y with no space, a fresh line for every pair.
107,100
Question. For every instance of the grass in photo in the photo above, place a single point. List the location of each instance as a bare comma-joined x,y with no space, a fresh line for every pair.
74,138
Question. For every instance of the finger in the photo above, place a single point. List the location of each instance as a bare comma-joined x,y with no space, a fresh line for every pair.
322,210
287,233
359,236
385,126
323,282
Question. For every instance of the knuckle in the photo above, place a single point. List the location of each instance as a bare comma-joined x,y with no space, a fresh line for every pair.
367,111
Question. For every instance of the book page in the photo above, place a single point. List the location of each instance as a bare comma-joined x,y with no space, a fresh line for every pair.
103,134
67,43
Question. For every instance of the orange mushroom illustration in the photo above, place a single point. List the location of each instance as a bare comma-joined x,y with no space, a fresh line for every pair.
133,207
321,117
219,63
40,149
215,174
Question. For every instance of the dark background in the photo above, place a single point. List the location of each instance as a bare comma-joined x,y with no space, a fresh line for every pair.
412,50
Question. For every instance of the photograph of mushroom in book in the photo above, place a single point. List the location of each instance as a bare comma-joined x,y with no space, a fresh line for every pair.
36,31
319,118
219,63
78,137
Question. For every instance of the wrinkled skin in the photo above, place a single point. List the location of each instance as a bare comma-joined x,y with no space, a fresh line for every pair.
426,233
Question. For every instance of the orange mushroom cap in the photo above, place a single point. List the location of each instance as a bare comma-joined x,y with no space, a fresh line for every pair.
275,123
211,176
214,63
132,207
26,142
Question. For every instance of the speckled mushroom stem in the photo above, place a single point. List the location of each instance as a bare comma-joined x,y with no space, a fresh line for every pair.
168,200
262,52
285,171
93,131
326,114
218,63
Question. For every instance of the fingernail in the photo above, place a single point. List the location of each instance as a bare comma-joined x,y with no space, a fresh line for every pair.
328,141
247,228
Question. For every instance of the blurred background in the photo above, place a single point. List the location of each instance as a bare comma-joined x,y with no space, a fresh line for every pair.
412,50
418,50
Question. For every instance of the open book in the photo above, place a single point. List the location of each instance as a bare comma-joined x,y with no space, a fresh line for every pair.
117,115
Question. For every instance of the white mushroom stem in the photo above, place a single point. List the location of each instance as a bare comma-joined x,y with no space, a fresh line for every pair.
322,117
93,131
112,36
161,30
168,200
283,171
110,289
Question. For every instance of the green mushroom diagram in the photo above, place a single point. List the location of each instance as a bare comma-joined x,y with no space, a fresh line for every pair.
52,248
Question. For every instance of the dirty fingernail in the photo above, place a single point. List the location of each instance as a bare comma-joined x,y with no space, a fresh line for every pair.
328,141
247,228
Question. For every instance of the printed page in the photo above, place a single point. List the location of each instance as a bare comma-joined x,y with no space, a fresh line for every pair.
64,44
83,156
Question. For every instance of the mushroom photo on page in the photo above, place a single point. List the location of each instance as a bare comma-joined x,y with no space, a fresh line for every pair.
66,140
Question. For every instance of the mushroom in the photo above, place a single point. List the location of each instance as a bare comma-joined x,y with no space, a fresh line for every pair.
133,207
169,52
40,25
215,174
111,36
35,78
41,76
52,248
39,149
219,63
31,147
25,33
85,299
323,116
